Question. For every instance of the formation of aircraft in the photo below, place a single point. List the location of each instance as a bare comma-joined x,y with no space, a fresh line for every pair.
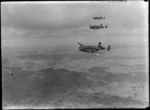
93,49
97,18
97,26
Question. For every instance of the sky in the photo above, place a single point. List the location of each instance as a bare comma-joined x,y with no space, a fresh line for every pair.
25,23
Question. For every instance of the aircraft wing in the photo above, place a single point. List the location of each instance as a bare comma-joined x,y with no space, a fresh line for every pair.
80,44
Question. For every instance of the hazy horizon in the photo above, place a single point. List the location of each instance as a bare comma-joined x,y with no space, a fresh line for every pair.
23,23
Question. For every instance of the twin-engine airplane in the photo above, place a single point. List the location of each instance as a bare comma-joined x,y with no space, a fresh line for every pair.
98,17
97,26
92,49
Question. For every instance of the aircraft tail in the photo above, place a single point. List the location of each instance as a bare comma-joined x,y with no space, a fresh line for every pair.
99,44
108,48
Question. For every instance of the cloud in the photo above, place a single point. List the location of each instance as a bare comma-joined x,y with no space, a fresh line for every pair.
122,90
117,65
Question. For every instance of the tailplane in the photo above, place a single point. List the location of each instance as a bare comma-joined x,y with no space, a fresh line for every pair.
99,44
108,48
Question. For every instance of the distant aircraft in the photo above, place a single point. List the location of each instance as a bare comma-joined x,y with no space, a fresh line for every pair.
11,73
97,26
97,18
92,49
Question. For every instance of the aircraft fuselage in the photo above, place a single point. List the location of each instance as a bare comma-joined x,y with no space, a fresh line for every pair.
98,27
89,49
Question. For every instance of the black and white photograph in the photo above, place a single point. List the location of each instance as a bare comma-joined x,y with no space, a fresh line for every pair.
74,54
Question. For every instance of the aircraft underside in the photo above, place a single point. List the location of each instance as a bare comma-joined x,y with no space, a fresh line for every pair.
90,51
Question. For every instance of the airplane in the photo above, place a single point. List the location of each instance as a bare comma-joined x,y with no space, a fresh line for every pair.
93,49
98,17
11,73
97,26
